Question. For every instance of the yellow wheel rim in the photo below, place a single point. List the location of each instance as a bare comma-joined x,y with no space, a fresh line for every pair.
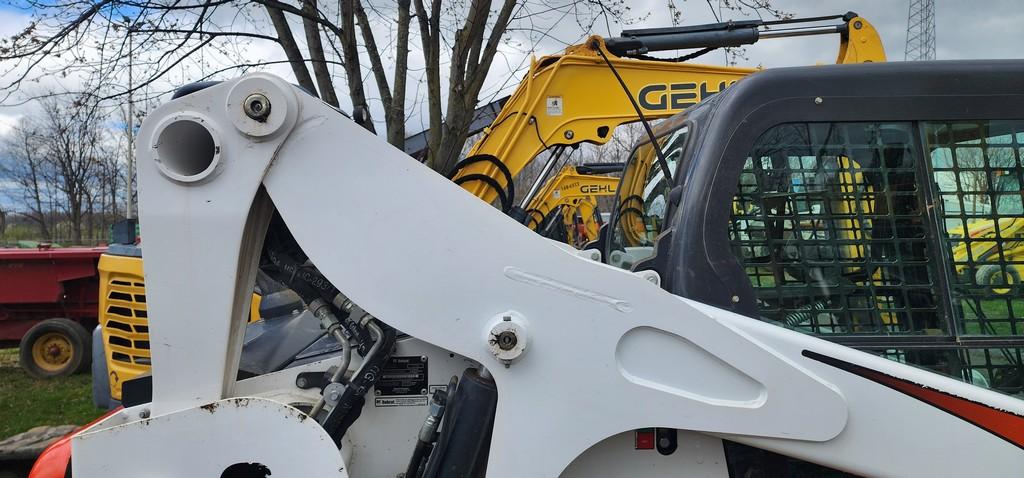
1004,278
52,352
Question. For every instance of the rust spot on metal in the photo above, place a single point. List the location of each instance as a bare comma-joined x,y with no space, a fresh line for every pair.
210,407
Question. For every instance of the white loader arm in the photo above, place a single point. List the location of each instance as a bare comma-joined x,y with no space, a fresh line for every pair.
605,350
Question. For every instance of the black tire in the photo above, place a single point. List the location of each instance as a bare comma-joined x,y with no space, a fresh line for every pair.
100,378
992,275
69,334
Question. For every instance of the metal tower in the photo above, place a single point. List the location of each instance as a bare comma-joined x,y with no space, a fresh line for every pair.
920,31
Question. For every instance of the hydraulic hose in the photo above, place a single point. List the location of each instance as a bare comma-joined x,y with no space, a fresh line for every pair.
307,281
348,407
322,311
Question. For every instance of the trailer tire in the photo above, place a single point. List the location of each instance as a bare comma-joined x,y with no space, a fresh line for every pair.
55,348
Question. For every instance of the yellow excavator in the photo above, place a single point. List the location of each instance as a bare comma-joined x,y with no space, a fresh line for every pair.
566,207
565,100
582,95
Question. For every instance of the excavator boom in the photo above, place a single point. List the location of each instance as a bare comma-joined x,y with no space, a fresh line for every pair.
574,97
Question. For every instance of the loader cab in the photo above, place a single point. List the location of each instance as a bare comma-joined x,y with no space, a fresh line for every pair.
875,205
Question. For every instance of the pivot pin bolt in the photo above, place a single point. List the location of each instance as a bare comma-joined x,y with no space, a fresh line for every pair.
257,107
507,340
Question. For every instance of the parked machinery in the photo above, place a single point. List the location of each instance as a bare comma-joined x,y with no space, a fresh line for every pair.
581,96
525,127
566,207
562,364
47,304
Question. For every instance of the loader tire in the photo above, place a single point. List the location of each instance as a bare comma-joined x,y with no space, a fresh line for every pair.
55,348
994,275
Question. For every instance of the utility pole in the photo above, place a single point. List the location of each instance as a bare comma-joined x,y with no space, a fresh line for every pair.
920,31
129,211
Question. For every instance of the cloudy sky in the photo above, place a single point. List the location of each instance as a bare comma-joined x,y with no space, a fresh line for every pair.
964,29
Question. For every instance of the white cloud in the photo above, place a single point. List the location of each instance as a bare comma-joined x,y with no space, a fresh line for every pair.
8,123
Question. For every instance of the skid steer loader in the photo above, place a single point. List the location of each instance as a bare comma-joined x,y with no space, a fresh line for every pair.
525,127
459,358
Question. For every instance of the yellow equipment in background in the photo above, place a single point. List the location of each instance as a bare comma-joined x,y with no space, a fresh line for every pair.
572,195
123,320
577,97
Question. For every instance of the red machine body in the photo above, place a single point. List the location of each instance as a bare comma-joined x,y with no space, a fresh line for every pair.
38,284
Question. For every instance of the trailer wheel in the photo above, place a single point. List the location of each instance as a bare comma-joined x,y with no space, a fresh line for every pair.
55,348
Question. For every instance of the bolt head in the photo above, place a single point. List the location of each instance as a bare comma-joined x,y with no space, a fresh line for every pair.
569,134
301,382
818,100
507,340
257,107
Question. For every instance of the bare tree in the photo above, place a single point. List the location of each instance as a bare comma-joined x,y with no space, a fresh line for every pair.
61,164
71,138
25,169
98,41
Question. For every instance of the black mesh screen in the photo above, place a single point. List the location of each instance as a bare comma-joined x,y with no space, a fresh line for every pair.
977,172
830,226
851,231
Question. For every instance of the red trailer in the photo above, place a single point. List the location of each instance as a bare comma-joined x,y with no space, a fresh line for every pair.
48,305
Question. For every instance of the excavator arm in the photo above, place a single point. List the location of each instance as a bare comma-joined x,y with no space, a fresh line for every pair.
574,97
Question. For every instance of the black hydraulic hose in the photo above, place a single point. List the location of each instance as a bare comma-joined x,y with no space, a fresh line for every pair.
425,444
507,195
350,404
310,285
640,114
416,462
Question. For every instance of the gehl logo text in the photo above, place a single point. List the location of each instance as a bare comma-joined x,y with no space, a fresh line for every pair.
597,188
676,96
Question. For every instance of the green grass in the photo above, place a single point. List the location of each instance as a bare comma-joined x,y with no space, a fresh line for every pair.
26,402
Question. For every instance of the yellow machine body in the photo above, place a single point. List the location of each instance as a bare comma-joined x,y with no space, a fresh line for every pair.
574,98
123,319
576,195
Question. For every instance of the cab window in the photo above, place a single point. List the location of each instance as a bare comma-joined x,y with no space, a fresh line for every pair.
643,199
861,230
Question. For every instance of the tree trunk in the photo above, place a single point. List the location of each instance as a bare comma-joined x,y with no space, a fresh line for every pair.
316,53
471,60
350,50
291,49
396,115
431,38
